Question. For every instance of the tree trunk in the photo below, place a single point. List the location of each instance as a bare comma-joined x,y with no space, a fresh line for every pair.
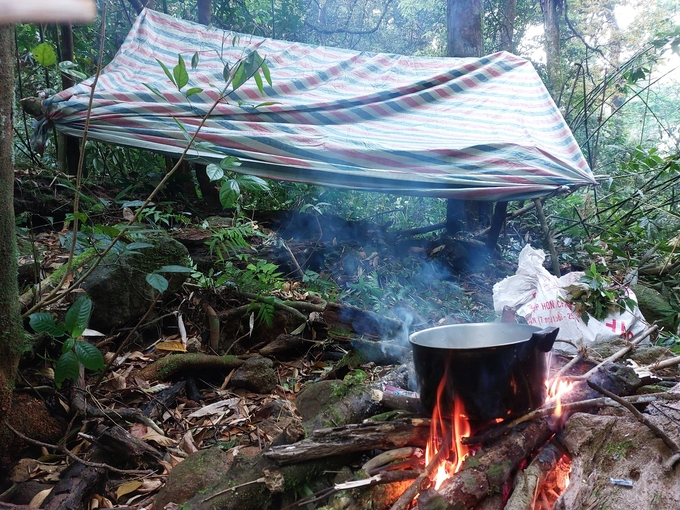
552,10
508,25
68,147
11,331
464,39
204,8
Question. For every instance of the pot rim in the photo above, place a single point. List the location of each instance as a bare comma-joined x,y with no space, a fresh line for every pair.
472,336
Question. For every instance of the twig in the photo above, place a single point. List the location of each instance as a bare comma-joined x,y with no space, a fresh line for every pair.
674,447
301,273
565,368
670,362
569,406
67,452
224,491
407,497
635,341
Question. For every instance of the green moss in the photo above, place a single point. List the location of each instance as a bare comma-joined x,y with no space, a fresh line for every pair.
497,473
471,462
617,450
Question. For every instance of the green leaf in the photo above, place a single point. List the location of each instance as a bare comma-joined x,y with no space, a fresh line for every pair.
44,54
184,130
265,72
90,357
230,162
180,73
167,72
43,322
258,82
82,217
67,345
252,183
226,72
246,68
157,281
214,172
67,67
107,230
229,194
78,316
194,61
175,269
138,246
193,90
154,90
67,367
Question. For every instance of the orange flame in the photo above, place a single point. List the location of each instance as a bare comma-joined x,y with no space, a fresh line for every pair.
556,390
440,438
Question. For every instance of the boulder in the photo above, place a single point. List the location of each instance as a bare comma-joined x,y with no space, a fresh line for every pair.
655,307
118,286
256,375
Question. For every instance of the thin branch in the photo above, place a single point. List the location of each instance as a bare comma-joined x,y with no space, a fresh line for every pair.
68,453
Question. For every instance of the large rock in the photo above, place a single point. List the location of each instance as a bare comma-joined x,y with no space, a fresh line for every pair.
256,374
606,448
655,307
118,286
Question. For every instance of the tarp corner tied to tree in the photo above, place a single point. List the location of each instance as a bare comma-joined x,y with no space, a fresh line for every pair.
469,128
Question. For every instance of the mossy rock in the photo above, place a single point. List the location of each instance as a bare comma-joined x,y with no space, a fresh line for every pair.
118,286
655,307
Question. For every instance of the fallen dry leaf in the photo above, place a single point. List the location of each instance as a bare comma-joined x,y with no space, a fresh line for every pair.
152,435
127,488
38,499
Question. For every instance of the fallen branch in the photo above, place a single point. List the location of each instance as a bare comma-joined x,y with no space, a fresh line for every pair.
73,456
172,364
353,438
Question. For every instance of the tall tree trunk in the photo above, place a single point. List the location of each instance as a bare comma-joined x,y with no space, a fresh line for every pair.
210,194
508,25
68,146
11,330
552,10
464,39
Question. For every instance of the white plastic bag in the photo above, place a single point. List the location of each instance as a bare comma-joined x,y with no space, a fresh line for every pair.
540,298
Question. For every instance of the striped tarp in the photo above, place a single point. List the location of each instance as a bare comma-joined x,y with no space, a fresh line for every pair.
474,128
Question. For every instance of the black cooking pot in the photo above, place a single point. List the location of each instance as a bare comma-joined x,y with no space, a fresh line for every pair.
498,370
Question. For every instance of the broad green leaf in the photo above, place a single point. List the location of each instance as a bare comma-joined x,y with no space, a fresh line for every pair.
107,230
69,68
246,68
175,269
180,73
167,72
258,82
229,194
194,61
90,357
78,315
138,246
252,183
157,281
192,91
82,217
215,173
67,345
154,90
43,322
44,54
67,367
134,203
226,72
265,72
230,162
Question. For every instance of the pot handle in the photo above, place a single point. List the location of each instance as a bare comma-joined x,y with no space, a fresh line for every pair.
545,338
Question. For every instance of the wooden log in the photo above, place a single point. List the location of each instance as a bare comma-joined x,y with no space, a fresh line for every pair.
122,449
172,365
532,478
74,487
362,322
488,470
282,343
353,438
